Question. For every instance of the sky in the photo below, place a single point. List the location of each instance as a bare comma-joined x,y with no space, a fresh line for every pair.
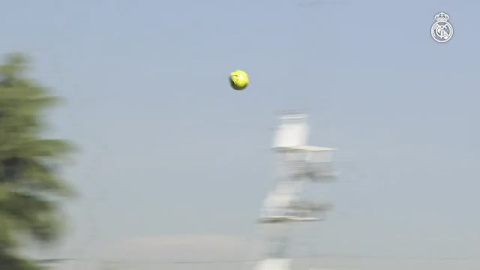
170,154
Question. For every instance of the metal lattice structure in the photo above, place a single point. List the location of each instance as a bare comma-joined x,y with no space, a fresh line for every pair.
297,165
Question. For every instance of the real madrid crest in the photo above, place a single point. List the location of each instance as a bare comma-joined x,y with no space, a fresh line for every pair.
442,30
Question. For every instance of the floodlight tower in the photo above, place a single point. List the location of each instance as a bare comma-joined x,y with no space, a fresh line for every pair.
298,164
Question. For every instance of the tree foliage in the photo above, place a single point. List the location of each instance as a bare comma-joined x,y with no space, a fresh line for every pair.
31,188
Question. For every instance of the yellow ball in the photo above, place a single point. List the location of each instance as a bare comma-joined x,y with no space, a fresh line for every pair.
239,80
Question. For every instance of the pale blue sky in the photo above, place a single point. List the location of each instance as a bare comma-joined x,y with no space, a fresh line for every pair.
168,148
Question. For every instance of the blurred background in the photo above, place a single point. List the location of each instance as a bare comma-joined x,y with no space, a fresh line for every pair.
172,165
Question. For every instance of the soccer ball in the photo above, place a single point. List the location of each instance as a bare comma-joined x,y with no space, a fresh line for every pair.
239,80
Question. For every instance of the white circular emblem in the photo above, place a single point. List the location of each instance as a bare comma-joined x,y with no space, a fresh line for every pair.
442,30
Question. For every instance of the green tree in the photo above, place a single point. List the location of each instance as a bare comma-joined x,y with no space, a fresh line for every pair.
31,187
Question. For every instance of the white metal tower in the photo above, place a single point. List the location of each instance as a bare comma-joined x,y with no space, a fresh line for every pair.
298,164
